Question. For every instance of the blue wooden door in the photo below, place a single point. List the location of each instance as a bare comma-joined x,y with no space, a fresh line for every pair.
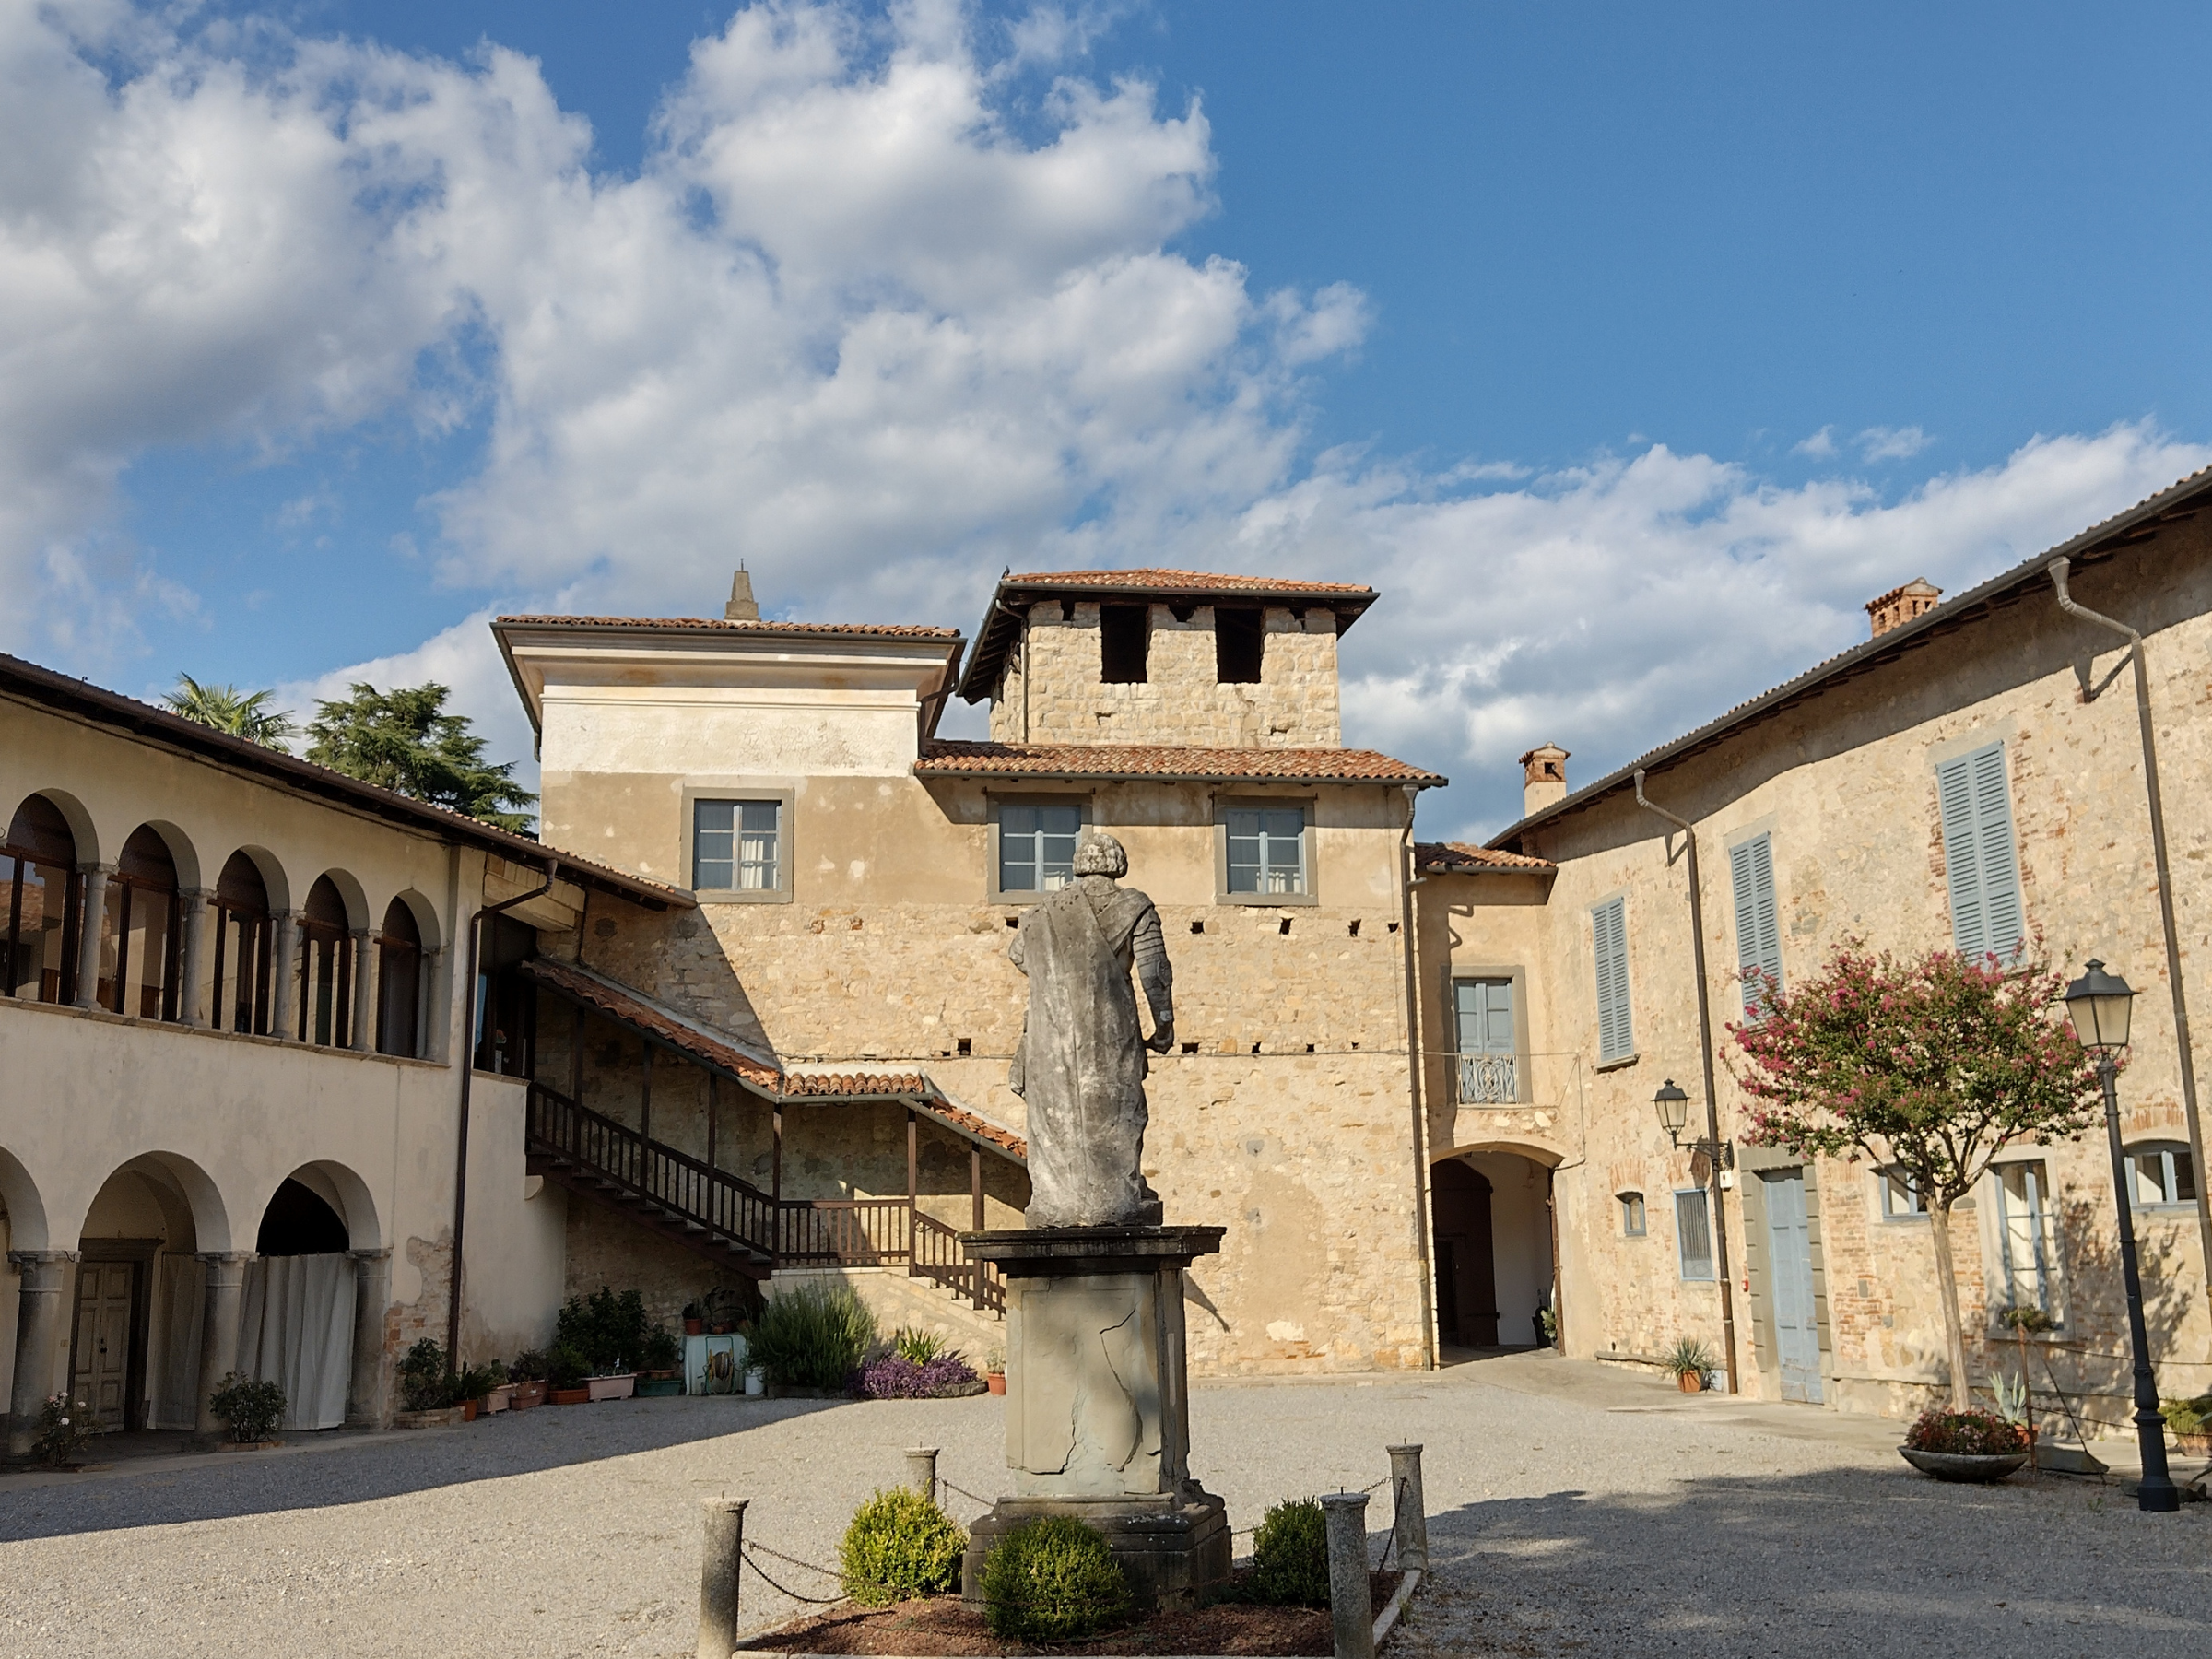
1790,1256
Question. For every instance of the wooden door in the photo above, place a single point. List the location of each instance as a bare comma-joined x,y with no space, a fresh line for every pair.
1790,1250
1468,1292
101,1356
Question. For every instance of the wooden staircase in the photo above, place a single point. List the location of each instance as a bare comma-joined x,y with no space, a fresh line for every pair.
732,1223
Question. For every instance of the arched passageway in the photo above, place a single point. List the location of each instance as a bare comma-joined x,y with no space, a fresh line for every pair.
1491,1214
399,980
134,1336
40,904
313,1297
244,949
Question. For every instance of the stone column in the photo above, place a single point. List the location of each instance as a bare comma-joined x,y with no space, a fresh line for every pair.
88,950
284,970
368,1398
38,1325
194,989
427,982
218,1329
365,960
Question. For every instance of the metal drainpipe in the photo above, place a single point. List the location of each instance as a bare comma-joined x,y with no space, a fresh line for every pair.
468,1068
2058,569
1712,1107
1431,1348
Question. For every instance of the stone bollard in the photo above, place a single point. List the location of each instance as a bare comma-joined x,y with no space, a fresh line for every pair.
922,1470
1350,1609
717,1564
1409,1527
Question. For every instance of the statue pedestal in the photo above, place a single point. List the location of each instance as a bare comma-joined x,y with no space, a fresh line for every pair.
1098,1402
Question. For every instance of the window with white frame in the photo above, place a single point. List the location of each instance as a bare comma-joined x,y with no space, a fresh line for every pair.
1901,1195
1266,850
2161,1174
1037,846
1694,1232
737,846
1631,1214
2026,1239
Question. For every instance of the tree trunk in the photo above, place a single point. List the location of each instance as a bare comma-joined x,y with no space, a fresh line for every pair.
1946,1282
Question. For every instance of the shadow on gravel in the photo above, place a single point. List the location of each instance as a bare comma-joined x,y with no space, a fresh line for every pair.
1844,1561
218,1486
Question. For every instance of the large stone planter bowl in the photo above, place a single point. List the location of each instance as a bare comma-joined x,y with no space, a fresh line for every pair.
1964,1466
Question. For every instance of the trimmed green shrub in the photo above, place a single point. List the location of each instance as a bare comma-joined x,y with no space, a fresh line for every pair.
254,1410
1053,1579
610,1331
1290,1555
900,1545
423,1384
566,1366
813,1338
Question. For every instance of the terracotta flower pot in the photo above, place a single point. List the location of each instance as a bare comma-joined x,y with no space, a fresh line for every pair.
571,1397
469,1411
1690,1383
527,1394
693,1328
996,1382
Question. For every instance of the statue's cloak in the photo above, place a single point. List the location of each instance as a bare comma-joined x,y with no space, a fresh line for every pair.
1081,1066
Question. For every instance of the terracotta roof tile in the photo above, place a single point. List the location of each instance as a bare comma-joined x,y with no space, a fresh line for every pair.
908,1086
1201,581
619,1003
1106,761
886,631
1458,858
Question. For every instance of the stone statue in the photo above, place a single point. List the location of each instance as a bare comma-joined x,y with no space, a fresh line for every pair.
1081,1062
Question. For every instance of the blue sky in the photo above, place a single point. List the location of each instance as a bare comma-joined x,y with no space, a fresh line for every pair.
1595,336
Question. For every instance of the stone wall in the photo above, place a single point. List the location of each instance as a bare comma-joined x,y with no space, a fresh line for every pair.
1845,785
1052,692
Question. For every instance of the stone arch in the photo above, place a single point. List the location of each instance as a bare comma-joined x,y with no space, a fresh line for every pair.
1536,1152
350,893
204,1200
183,853
27,1228
83,831
1502,1186
345,1194
425,914
275,883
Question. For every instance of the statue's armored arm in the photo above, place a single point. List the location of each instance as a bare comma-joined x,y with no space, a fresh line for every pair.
1150,948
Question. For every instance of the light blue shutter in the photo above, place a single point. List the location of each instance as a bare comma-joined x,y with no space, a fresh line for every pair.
1757,920
1983,871
1616,1036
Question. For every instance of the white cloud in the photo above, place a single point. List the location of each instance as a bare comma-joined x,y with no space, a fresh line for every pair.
1891,443
855,322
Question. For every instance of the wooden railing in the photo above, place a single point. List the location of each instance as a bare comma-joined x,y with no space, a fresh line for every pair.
939,1258
615,1152
857,1232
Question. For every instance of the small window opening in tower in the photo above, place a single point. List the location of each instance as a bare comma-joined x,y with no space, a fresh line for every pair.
1124,633
1240,641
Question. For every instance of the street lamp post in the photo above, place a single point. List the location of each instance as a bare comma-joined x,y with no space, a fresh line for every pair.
2100,1005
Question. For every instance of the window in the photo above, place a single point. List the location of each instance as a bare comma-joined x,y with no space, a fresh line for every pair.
1693,1233
737,846
1758,923
40,901
1240,644
1124,632
1037,846
399,983
2161,1174
1631,1214
2024,1231
1616,1031
242,981
1266,850
1483,1023
1978,857
142,958
326,966
1901,1196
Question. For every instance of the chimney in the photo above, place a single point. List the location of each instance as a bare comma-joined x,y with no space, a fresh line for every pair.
1900,606
741,608
1544,775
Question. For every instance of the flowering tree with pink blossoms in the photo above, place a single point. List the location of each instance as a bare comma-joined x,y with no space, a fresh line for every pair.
1928,1068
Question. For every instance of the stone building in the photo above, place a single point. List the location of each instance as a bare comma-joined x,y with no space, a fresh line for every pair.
1951,782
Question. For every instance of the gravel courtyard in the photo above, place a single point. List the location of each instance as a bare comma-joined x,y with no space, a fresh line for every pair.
1572,1510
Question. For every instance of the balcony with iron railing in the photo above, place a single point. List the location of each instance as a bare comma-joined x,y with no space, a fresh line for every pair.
1488,1079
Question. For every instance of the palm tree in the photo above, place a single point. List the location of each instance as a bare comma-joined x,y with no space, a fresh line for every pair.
227,708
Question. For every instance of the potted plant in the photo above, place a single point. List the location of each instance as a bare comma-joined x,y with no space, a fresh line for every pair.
720,1311
695,1321
994,1371
1689,1363
564,1370
250,1409
660,1358
64,1425
427,1392
2190,1423
527,1375
1973,1444
474,1388
611,1385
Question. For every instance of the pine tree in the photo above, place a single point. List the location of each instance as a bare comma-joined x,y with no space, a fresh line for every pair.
405,741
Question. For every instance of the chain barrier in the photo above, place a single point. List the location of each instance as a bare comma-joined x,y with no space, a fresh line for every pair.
761,1572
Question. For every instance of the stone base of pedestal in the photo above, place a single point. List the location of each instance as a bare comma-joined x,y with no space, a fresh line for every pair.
1176,1550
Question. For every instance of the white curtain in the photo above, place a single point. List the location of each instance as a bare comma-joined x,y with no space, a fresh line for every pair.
296,1332
180,1298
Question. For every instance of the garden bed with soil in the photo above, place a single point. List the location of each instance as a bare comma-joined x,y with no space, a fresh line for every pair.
941,1625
